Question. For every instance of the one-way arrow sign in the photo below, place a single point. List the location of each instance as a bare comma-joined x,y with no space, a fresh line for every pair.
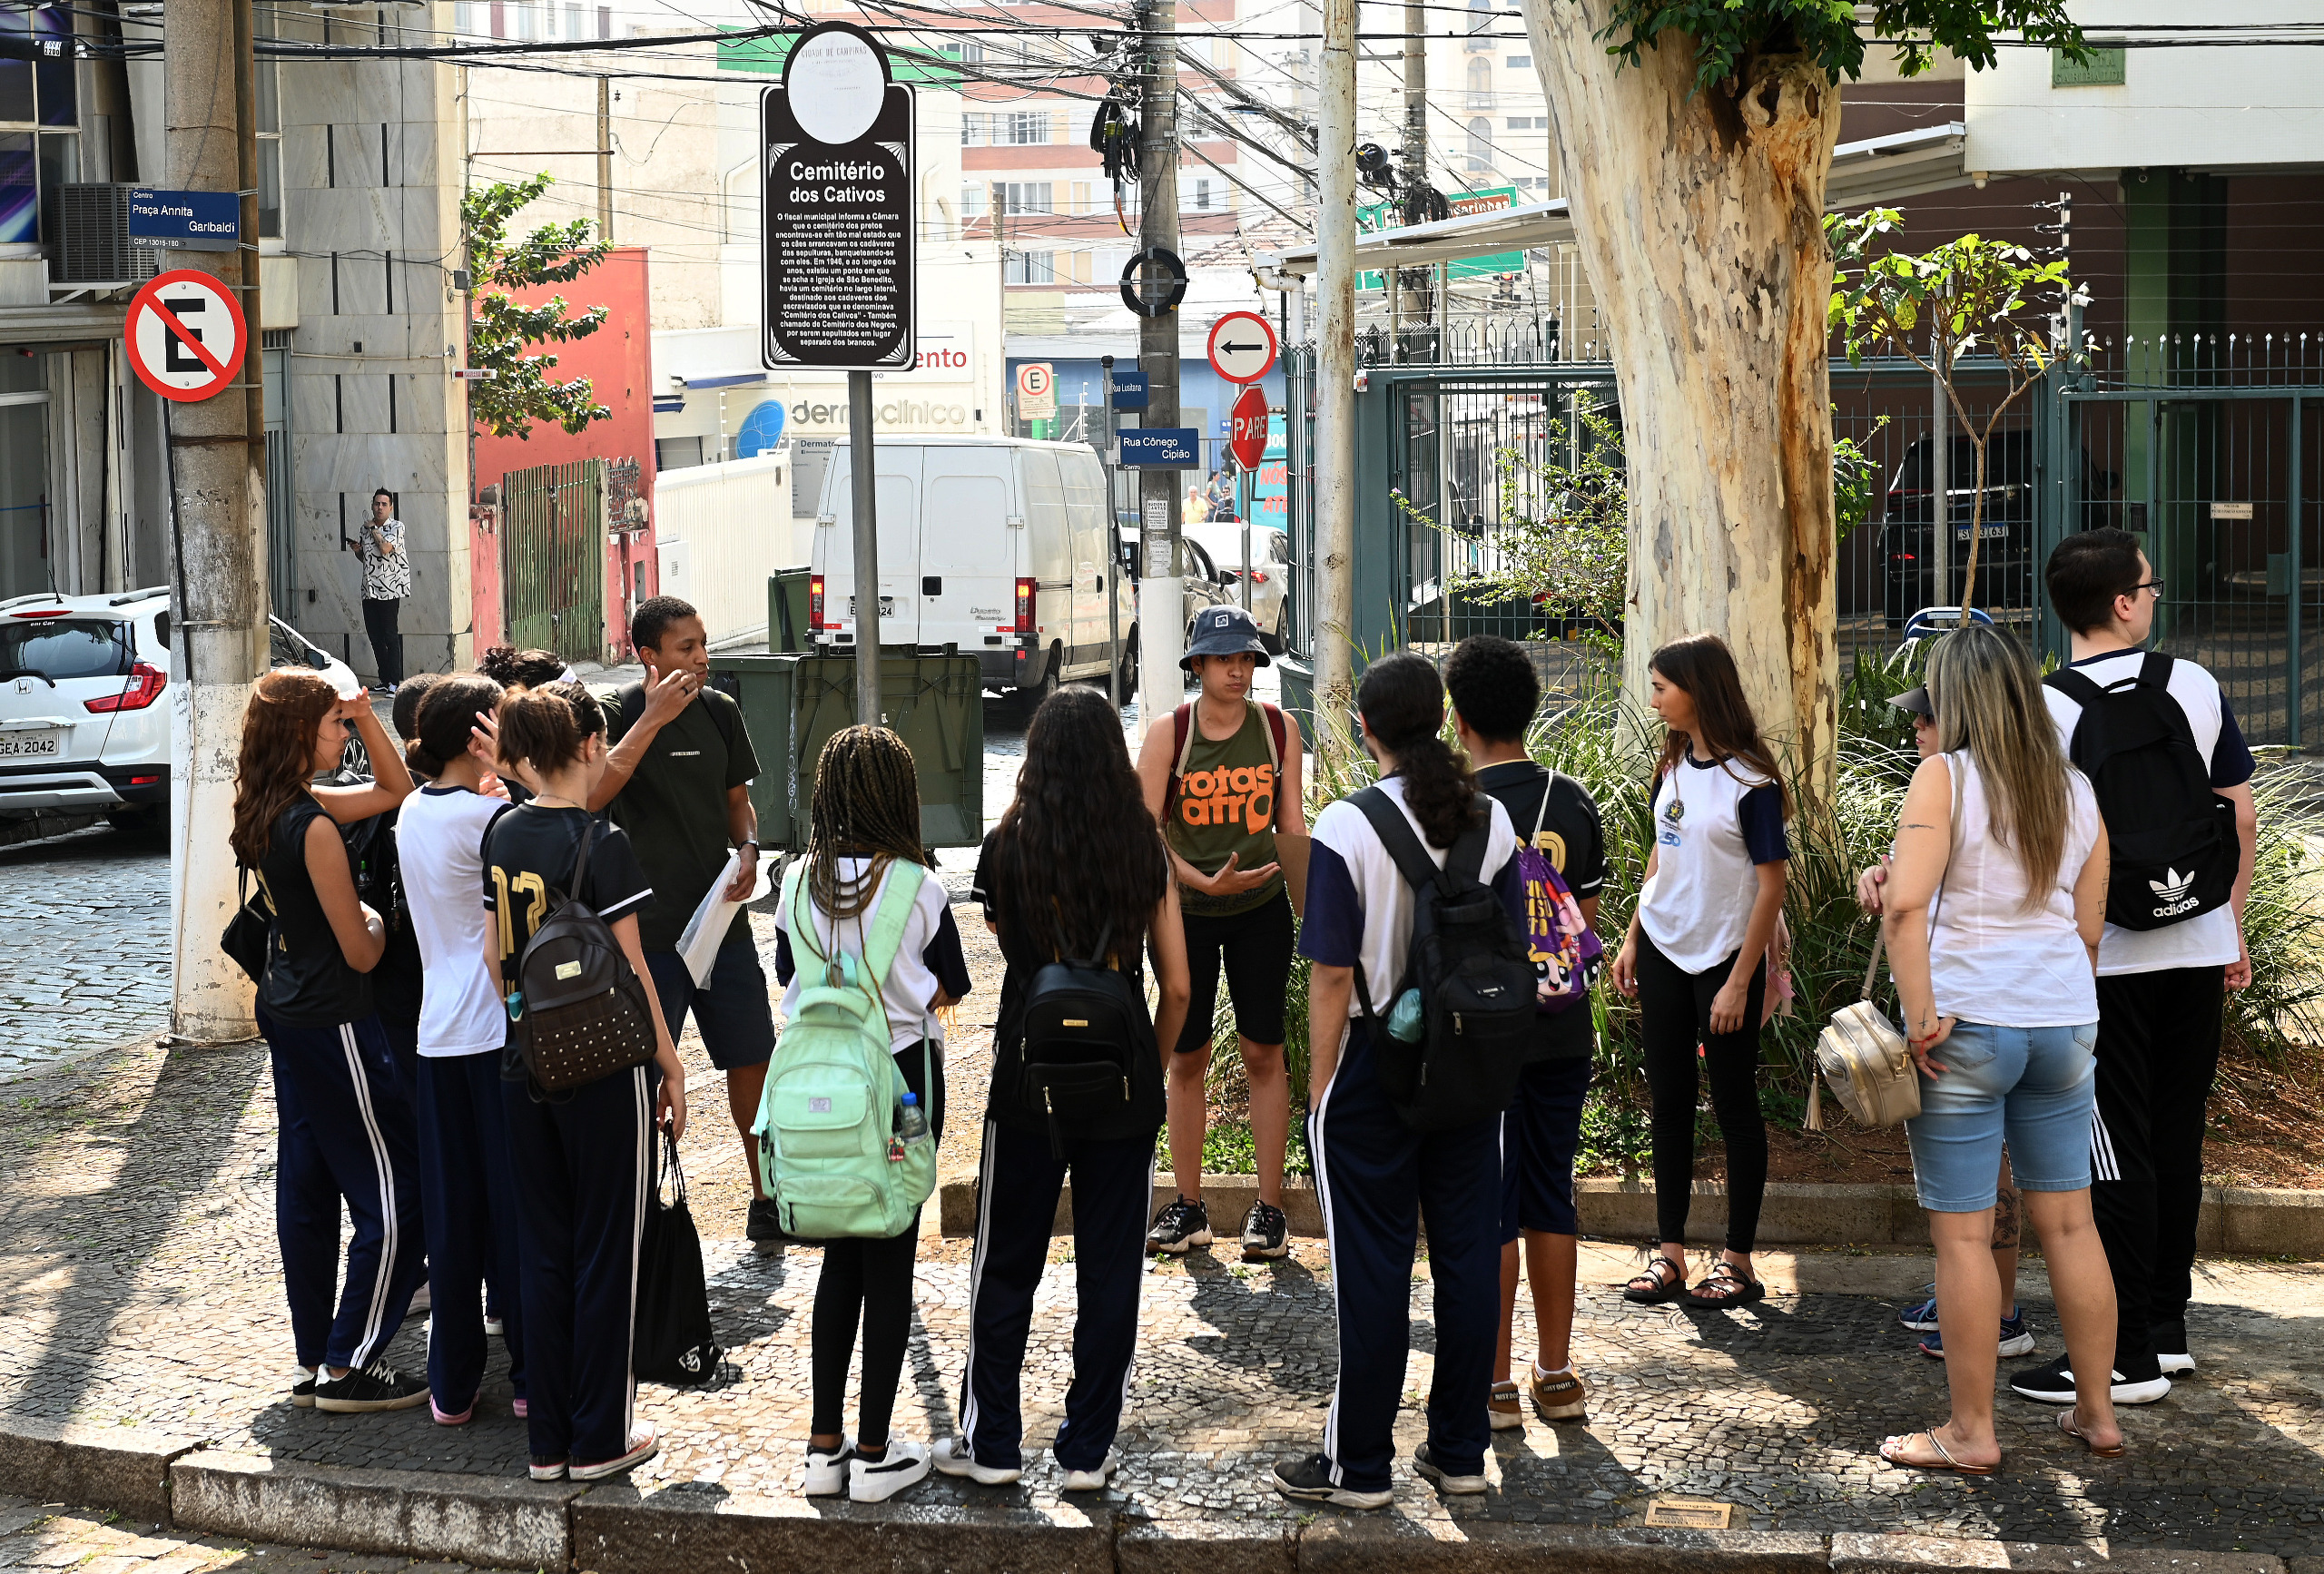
1242,347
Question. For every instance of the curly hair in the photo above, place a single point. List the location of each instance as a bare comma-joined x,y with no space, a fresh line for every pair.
278,755
1402,701
520,669
1077,843
1493,685
866,805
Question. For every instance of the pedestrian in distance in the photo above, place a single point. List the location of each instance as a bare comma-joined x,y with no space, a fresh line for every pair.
1495,693
2016,1333
864,839
1223,775
678,781
345,1133
584,1157
379,543
468,1183
2174,777
1076,884
1375,1173
1992,917
1695,956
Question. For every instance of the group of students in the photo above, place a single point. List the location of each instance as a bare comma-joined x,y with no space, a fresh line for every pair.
2028,1024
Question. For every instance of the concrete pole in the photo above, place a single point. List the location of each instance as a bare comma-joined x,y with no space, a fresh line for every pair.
1336,376
1161,590
218,514
1412,301
605,158
860,459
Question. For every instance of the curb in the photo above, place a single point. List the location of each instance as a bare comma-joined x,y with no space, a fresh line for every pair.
2236,1220
497,1521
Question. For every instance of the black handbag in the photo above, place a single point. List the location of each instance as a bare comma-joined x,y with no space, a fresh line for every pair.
246,933
674,1342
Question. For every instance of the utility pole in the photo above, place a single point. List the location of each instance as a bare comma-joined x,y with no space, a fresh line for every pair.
605,158
1414,298
217,515
1336,378
1161,590
1112,582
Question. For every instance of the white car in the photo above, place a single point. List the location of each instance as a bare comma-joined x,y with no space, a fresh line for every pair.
1222,540
83,728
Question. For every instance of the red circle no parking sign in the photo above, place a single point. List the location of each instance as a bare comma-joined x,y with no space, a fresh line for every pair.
185,334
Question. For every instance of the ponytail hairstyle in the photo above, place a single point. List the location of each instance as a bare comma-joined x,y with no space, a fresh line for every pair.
1703,666
1077,857
405,712
544,728
1989,702
286,707
866,805
1402,701
447,721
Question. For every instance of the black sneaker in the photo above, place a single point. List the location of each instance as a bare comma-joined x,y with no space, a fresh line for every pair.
377,1386
1179,1226
2051,1382
1265,1232
1309,1481
302,1391
1425,1466
2170,1342
765,1226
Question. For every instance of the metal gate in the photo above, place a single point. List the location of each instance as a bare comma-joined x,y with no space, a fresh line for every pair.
553,558
2211,442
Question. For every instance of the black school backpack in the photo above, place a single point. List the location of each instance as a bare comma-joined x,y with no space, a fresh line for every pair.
2174,850
1471,964
580,1012
1088,1061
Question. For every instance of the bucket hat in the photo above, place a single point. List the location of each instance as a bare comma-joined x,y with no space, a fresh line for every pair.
1223,631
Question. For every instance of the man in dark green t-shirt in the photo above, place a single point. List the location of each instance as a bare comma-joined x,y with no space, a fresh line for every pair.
679,783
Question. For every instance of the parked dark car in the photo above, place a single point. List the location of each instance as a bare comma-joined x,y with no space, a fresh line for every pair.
2007,568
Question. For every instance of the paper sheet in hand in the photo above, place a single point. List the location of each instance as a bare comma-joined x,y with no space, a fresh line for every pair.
706,930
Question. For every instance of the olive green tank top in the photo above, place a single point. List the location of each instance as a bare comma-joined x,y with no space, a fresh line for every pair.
1225,804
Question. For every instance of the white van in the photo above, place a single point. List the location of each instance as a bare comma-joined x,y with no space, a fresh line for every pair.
997,545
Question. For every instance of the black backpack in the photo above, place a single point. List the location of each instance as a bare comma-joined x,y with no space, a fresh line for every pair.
1088,1061
1473,968
580,1012
2174,850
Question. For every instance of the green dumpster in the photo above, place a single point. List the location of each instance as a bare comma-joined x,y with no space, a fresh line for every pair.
792,705
786,611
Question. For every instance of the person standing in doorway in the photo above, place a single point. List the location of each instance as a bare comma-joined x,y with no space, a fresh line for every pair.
386,580
1222,775
679,782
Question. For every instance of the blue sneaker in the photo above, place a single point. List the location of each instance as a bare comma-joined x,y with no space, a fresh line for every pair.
1920,1319
2016,1338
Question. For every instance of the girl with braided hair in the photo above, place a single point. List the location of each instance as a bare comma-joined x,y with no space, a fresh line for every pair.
864,827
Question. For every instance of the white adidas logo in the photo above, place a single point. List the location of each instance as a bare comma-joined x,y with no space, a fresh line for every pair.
2172,891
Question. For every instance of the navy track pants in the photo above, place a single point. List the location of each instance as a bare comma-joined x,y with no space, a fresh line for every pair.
467,1191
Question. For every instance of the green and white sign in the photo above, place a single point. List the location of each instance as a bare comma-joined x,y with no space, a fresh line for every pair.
1377,216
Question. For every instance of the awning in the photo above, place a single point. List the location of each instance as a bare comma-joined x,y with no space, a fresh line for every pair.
1877,169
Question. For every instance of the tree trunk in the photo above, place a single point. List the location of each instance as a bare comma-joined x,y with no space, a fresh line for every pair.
1700,219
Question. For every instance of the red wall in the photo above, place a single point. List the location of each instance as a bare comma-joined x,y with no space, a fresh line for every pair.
618,361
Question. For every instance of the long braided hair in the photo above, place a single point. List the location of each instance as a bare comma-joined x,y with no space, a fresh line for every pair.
866,805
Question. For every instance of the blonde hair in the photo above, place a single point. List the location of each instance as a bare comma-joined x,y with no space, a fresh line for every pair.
1988,699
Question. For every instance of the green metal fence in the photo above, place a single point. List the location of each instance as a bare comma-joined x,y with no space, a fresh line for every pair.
553,558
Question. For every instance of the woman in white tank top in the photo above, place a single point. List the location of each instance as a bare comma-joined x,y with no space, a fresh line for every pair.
1993,916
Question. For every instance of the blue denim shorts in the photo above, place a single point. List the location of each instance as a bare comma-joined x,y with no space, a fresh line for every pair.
2036,1086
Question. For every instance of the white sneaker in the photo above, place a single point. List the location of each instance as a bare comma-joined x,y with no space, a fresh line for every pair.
826,1473
494,1327
643,1446
952,1459
876,1480
1093,1481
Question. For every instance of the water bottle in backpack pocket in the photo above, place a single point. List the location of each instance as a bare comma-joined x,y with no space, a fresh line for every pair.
1088,1059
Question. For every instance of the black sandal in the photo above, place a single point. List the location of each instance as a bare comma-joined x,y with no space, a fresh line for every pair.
1665,1280
1726,1286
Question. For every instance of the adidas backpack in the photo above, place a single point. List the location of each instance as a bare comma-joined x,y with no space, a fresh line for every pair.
831,1149
2172,840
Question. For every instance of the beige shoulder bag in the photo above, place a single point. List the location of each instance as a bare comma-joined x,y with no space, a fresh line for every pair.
1860,1052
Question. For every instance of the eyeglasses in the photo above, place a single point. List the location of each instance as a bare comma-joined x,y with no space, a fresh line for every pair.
2155,585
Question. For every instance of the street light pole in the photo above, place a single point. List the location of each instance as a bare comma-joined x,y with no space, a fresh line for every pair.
1335,374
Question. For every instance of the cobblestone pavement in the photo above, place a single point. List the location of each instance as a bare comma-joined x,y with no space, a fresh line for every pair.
86,961
55,1539
139,1284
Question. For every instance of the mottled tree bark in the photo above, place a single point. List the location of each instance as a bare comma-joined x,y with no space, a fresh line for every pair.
1700,219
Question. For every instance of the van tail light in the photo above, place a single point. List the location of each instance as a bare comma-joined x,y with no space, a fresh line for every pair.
815,603
1025,607
144,686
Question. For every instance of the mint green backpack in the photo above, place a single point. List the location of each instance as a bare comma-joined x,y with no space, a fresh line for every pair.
831,1145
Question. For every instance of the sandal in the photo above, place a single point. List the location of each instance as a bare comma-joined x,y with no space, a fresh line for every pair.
1663,1281
1726,1286
1893,1449
2065,1425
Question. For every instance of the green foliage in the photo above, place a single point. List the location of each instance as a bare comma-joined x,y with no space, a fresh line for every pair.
1725,33
520,390
1856,481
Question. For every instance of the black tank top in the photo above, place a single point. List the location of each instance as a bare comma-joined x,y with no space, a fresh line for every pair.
309,982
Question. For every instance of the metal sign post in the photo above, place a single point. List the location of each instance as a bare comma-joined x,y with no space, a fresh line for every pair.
1111,583
839,266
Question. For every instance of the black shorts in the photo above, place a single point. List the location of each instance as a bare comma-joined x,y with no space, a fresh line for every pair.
1257,946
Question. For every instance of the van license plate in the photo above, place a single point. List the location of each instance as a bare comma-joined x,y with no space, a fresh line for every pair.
30,745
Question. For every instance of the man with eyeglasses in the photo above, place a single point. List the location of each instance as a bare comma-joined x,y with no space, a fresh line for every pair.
2163,978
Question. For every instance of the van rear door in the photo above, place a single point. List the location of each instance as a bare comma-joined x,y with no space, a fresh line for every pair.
895,479
968,547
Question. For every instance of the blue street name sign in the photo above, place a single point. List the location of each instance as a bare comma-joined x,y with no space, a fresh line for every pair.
1161,448
1129,388
186,220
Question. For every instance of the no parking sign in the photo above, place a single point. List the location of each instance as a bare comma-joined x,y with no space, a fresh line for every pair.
185,334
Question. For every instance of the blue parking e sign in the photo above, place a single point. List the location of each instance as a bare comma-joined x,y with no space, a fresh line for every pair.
1129,388
185,221
1161,448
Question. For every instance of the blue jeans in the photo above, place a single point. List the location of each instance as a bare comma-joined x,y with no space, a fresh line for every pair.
2033,1085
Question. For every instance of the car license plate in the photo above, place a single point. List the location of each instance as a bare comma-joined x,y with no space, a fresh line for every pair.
30,745
1984,533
